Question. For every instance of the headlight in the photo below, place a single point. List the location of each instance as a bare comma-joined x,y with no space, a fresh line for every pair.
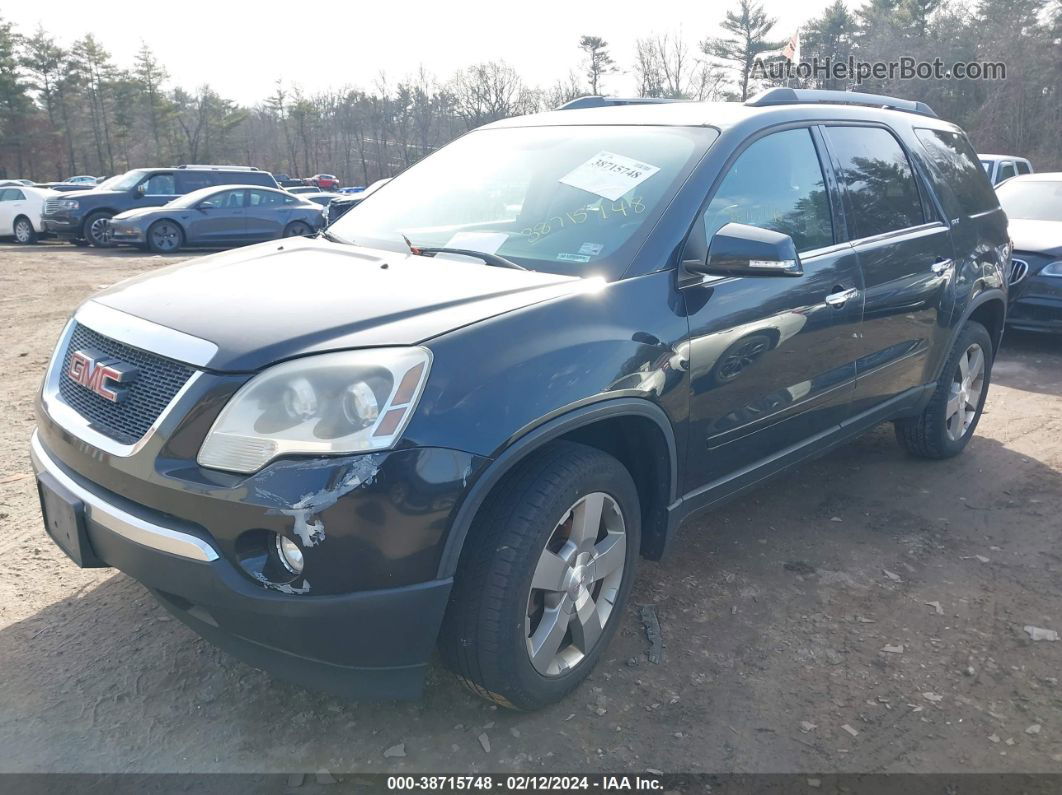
68,204
1052,269
346,402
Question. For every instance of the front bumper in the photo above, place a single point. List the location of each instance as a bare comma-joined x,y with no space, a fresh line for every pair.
1036,305
66,228
368,644
126,233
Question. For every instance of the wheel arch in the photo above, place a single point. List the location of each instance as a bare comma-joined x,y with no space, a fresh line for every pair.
989,308
635,431
92,212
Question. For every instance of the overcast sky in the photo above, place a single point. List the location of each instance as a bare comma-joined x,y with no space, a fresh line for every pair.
241,48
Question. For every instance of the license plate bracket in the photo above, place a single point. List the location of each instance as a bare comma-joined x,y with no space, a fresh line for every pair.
64,521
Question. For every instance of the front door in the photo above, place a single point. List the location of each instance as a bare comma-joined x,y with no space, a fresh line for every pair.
219,219
772,359
11,200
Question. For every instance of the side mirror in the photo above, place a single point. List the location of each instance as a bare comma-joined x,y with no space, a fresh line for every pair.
742,250
141,189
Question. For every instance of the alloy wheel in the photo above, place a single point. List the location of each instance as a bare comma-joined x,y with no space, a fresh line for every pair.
23,231
967,383
100,231
575,584
297,230
165,236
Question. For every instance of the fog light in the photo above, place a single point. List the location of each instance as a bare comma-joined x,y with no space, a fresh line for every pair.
289,554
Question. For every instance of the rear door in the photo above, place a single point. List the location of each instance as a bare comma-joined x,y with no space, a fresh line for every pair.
268,212
219,219
771,359
905,255
10,201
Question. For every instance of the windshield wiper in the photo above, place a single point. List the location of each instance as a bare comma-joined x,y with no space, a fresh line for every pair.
490,259
333,237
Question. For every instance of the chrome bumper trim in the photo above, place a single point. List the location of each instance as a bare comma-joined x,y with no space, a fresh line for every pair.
121,521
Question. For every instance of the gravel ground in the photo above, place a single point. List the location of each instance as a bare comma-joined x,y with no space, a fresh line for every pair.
865,613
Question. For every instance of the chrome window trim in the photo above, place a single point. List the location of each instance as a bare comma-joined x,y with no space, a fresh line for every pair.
120,521
1017,274
133,331
145,335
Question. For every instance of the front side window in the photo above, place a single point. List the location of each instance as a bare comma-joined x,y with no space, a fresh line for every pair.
228,199
574,199
880,187
963,189
776,184
160,185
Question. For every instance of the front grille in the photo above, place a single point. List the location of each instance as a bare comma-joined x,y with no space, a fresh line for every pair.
51,207
157,382
1019,269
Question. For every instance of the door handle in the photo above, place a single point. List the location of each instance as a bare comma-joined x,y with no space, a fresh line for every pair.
841,298
941,265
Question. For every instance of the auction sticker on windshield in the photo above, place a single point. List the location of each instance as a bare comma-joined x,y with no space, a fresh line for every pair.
609,175
487,242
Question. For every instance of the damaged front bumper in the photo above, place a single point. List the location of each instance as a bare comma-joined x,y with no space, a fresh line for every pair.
361,623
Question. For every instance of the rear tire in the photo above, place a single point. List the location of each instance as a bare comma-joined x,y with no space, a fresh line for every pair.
297,229
24,231
948,422
546,571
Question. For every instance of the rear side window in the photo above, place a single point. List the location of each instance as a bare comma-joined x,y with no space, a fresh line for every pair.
188,181
966,189
11,195
1023,167
1006,171
880,187
776,184
265,198
256,178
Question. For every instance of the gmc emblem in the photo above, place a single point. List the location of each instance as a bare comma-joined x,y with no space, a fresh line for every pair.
106,377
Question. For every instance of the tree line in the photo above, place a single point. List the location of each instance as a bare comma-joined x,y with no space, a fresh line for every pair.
68,108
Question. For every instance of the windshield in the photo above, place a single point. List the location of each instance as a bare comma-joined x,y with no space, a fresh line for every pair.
1034,201
574,200
122,181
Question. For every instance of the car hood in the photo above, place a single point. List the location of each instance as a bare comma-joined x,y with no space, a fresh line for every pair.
1044,237
283,299
139,212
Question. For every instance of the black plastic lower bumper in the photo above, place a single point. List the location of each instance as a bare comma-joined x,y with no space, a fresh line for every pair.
372,644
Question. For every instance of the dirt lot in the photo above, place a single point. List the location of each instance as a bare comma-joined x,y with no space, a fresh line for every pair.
863,614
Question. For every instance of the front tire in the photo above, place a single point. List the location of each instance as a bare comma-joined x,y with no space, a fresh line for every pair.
24,231
98,229
948,422
164,237
546,572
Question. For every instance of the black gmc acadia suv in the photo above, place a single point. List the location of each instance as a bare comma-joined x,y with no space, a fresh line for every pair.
85,217
460,415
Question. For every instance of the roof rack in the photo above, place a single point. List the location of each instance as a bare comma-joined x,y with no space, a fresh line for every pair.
799,96
217,168
595,101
